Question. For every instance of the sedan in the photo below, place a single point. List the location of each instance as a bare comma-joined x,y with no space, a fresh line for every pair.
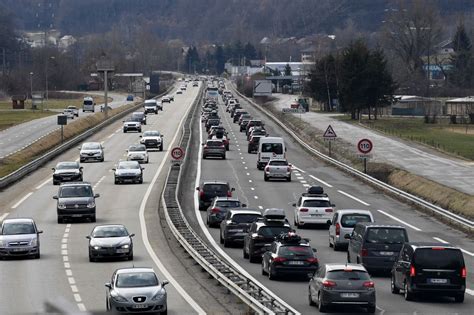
128,171
137,152
91,151
112,240
342,284
136,290
19,237
67,172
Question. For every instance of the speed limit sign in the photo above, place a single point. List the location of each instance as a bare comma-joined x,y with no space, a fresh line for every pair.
365,146
177,153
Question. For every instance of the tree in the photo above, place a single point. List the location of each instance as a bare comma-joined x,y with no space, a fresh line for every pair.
461,60
287,72
192,59
323,81
250,52
220,60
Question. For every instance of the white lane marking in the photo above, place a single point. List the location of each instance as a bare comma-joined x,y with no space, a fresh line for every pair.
209,237
67,265
401,221
110,136
65,258
3,216
303,181
299,177
74,289
320,180
440,240
245,167
469,291
69,272
82,307
248,174
306,185
43,183
354,198
77,297
260,207
64,252
21,200
71,280
251,188
98,183
63,246
143,228
243,162
299,169
256,197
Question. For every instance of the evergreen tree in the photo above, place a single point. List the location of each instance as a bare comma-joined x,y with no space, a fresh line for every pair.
220,60
250,52
461,73
287,72
323,81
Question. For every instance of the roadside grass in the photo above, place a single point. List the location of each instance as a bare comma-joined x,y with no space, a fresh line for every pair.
443,196
60,101
452,139
15,161
14,117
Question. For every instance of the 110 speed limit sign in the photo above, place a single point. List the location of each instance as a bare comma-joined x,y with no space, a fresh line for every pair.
365,146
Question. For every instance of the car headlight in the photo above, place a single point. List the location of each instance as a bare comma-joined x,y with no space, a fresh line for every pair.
117,298
96,247
159,296
91,204
125,246
34,242
61,206
3,243
142,140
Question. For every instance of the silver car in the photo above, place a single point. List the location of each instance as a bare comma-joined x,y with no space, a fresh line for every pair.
19,237
136,290
91,151
128,171
343,223
277,168
137,152
111,240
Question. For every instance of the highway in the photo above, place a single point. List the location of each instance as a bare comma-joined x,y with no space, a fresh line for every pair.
239,169
64,270
20,136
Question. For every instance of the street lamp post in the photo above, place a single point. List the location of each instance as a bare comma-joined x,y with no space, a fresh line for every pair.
47,63
31,87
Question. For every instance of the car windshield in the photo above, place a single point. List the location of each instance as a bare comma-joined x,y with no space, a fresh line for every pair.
228,203
151,134
438,258
276,148
314,203
214,143
278,163
136,279
109,231
67,166
18,228
134,148
91,146
128,166
245,218
386,236
350,220
75,191
272,231
295,251
348,274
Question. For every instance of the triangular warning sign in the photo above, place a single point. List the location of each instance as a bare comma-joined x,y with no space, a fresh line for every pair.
329,133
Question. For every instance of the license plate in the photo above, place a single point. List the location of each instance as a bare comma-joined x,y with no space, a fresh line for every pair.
350,295
296,262
122,250
437,281
236,231
77,215
18,250
316,215
386,253
140,306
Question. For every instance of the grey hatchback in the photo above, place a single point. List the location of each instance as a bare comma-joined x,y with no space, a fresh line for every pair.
19,237
342,284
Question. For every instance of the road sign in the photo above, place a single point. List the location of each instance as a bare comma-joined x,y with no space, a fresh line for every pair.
177,153
329,134
365,146
293,110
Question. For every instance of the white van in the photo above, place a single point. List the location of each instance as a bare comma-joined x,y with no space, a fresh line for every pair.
88,104
270,148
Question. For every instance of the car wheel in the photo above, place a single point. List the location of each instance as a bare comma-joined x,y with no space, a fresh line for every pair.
407,294
246,255
124,131
38,254
203,157
371,309
459,298
165,312
116,181
102,159
249,151
393,287
348,256
223,157
81,160
264,273
322,308
310,299
227,148
81,179
93,219
335,247
252,258
91,259
265,177
288,179
161,147
271,274
55,182
227,243
141,180
60,220
221,239
130,256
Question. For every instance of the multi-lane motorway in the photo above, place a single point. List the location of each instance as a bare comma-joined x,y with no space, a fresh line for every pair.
239,169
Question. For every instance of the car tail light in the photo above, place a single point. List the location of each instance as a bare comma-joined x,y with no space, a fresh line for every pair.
329,284
201,194
223,145
412,271
368,284
463,272
229,194
437,248
329,210
215,210
279,259
304,210
364,252
338,229
312,260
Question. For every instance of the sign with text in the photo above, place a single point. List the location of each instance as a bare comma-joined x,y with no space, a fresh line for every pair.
293,110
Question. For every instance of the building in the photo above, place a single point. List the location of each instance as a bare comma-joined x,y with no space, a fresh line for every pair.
411,105
460,107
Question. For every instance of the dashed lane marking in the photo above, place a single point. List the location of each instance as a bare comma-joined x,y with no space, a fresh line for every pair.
399,220
260,207
43,183
320,180
21,200
256,197
354,198
3,216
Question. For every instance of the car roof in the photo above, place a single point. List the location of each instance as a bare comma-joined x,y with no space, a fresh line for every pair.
215,182
134,270
18,220
75,184
376,225
214,140
315,197
284,160
109,225
245,211
345,211
430,245
67,163
339,266
226,198
91,142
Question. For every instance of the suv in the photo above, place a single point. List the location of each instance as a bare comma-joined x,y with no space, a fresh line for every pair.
263,232
74,109
141,116
212,122
289,254
343,223
211,189
375,246
91,151
132,124
219,207
214,147
76,200
313,207
152,139
238,113
66,172
236,224
432,268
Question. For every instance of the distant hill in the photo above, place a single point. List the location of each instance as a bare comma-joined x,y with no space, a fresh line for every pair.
210,20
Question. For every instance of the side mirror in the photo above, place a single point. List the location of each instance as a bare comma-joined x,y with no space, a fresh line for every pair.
108,285
55,197
244,205
294,204
329,222
197,188
232,189
88,237
114,169
40,232
143,168
347,236
96,195
140,136
165,282
78,148
132,235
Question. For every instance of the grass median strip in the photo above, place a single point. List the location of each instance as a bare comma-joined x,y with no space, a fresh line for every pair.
9,118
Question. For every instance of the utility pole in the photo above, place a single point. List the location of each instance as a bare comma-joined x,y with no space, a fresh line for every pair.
4,61
105,66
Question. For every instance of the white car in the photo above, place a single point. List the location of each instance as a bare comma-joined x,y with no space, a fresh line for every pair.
91,151
166,99
74,109
277,168
137,152
313,208
152,139
69,113
343,223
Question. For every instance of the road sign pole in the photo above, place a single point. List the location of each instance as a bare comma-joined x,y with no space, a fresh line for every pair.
330,148
62,134
365,165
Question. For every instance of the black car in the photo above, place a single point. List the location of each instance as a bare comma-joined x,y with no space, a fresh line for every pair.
243,124
67,172
128,171
238,113
289,254
139,116
76,200
253,144
429,268
212,122
375,246
211,189
219,207
262,233
236,224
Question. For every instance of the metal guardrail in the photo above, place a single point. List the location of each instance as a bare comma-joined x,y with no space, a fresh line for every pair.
254,295
446,214
35,164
